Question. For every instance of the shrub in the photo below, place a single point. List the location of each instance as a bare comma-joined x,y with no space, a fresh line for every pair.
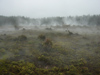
48,28
73,70
70,33
23,29
43,58
22,38
42,37
48,42
2,50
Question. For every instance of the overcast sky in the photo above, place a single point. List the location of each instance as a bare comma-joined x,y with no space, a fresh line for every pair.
49,8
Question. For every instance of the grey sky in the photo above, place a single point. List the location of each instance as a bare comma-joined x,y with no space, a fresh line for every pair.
49,8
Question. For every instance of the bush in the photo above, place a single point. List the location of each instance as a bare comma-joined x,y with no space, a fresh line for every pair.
48,42
22,38
43,58
42,37
70,33
48,28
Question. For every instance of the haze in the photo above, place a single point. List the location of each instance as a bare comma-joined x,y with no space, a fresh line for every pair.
48,8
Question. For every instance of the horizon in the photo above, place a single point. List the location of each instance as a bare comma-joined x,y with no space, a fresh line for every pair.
49,16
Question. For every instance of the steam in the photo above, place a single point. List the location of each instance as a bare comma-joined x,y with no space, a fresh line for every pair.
20,22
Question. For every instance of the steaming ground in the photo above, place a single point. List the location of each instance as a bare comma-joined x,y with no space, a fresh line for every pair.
79,33
63,29
82,37
68,46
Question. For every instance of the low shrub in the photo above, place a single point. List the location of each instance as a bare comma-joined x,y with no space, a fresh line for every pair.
70,33
47,42
48,28
22,38
42,37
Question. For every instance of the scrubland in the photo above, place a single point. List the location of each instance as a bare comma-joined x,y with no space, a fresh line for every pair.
50,51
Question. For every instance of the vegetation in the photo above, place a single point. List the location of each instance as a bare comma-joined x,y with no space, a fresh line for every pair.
48,42
42,37
22,38
55,53
90,20
22,67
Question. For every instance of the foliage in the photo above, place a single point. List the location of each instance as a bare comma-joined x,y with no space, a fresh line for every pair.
70,33
47,42
60,56
22,38
27,68
42,37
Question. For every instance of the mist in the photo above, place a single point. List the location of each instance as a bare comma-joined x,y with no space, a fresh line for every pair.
49,8
87,20
49,37
49,13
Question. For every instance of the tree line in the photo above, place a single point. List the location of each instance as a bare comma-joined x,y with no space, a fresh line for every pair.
70,20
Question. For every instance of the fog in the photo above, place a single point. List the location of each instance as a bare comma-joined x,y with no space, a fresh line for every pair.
48,8
49,37
79,16
48,13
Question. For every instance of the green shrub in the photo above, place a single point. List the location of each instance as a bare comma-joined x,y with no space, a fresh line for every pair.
73,70
42,37
43,58
22,38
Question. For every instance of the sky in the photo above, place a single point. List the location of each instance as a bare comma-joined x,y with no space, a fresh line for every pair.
49,8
